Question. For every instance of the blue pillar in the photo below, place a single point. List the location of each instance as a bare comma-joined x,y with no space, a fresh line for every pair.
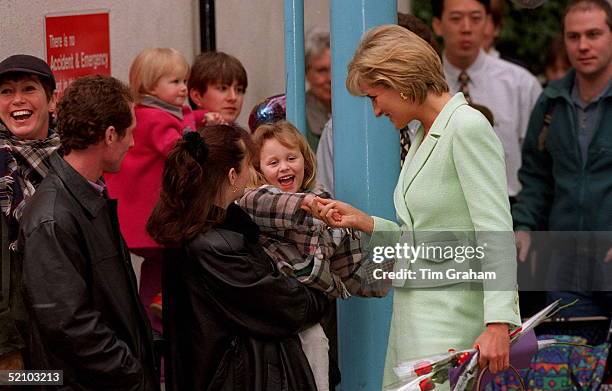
366,167
294,63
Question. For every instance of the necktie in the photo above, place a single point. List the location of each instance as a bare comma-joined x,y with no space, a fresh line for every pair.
464,79
404,144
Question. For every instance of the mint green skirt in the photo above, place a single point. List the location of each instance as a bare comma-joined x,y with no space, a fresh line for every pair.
431,321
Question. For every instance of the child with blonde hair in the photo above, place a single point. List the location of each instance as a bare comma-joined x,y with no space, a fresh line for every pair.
303,247
158,80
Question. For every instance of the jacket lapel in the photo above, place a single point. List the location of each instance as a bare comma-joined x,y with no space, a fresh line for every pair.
419,154
418,160
398,195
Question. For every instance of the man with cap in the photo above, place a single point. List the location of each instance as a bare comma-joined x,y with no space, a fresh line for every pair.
27,102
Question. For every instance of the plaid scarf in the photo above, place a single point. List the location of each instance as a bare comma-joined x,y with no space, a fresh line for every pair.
23,165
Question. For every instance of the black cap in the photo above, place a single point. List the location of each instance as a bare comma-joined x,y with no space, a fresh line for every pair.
28,64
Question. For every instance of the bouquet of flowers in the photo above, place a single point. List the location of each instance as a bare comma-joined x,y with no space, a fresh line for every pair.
460,368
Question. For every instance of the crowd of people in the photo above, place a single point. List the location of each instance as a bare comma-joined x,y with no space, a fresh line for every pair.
143,210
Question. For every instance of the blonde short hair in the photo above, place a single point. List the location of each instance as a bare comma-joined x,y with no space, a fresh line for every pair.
150,65
290,137
393,57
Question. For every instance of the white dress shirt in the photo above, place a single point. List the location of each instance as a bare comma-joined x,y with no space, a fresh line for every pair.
510,92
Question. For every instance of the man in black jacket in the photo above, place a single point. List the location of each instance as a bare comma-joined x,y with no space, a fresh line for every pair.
79,288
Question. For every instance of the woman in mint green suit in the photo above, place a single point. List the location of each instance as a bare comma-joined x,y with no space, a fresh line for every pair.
451,193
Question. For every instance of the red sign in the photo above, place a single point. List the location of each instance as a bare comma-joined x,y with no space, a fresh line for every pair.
77,45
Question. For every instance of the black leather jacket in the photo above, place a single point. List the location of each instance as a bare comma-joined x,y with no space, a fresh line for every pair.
12,315
232,319
80,290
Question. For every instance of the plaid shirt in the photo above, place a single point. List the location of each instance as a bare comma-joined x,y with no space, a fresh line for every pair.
328,259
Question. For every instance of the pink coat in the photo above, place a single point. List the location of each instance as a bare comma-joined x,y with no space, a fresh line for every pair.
137,185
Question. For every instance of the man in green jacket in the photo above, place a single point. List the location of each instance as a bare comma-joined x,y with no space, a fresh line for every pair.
567,165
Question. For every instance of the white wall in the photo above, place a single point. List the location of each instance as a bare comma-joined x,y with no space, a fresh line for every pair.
134,25
250,30
403,6
253,32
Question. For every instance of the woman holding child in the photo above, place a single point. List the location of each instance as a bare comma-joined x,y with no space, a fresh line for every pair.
453,182
234,318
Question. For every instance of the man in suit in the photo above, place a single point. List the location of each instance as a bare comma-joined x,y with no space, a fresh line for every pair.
508,90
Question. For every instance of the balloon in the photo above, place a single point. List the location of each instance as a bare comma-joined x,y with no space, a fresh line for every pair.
269,110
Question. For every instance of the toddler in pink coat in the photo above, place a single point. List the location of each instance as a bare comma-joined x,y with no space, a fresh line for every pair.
158,79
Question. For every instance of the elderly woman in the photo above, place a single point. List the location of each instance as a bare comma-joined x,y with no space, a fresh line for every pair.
232,319
318,74
451,192
26,104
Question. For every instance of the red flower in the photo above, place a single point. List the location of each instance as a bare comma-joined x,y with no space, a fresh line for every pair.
422,368
426,385
463,357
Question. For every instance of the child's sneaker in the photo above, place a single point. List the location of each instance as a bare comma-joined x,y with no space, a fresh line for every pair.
156,305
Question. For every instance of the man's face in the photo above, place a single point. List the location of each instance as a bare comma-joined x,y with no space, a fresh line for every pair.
119,146
319,76
588,41
24,107
462,26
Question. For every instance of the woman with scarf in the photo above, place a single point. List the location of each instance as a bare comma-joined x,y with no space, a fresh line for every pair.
26,141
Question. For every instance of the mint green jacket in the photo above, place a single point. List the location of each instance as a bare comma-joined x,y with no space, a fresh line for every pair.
452,192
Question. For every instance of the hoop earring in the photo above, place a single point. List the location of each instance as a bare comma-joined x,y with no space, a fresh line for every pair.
404,97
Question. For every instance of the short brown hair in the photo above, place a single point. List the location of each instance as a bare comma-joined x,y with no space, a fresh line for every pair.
152,64
418,27
556,50
498,10
191,184
216,67
290,137
88,107
394,57
584,5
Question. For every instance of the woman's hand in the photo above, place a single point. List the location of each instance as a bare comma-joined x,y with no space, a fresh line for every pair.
339,214
494,347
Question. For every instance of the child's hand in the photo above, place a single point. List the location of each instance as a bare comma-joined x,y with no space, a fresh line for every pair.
339,214
307,202
212,118
310,205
